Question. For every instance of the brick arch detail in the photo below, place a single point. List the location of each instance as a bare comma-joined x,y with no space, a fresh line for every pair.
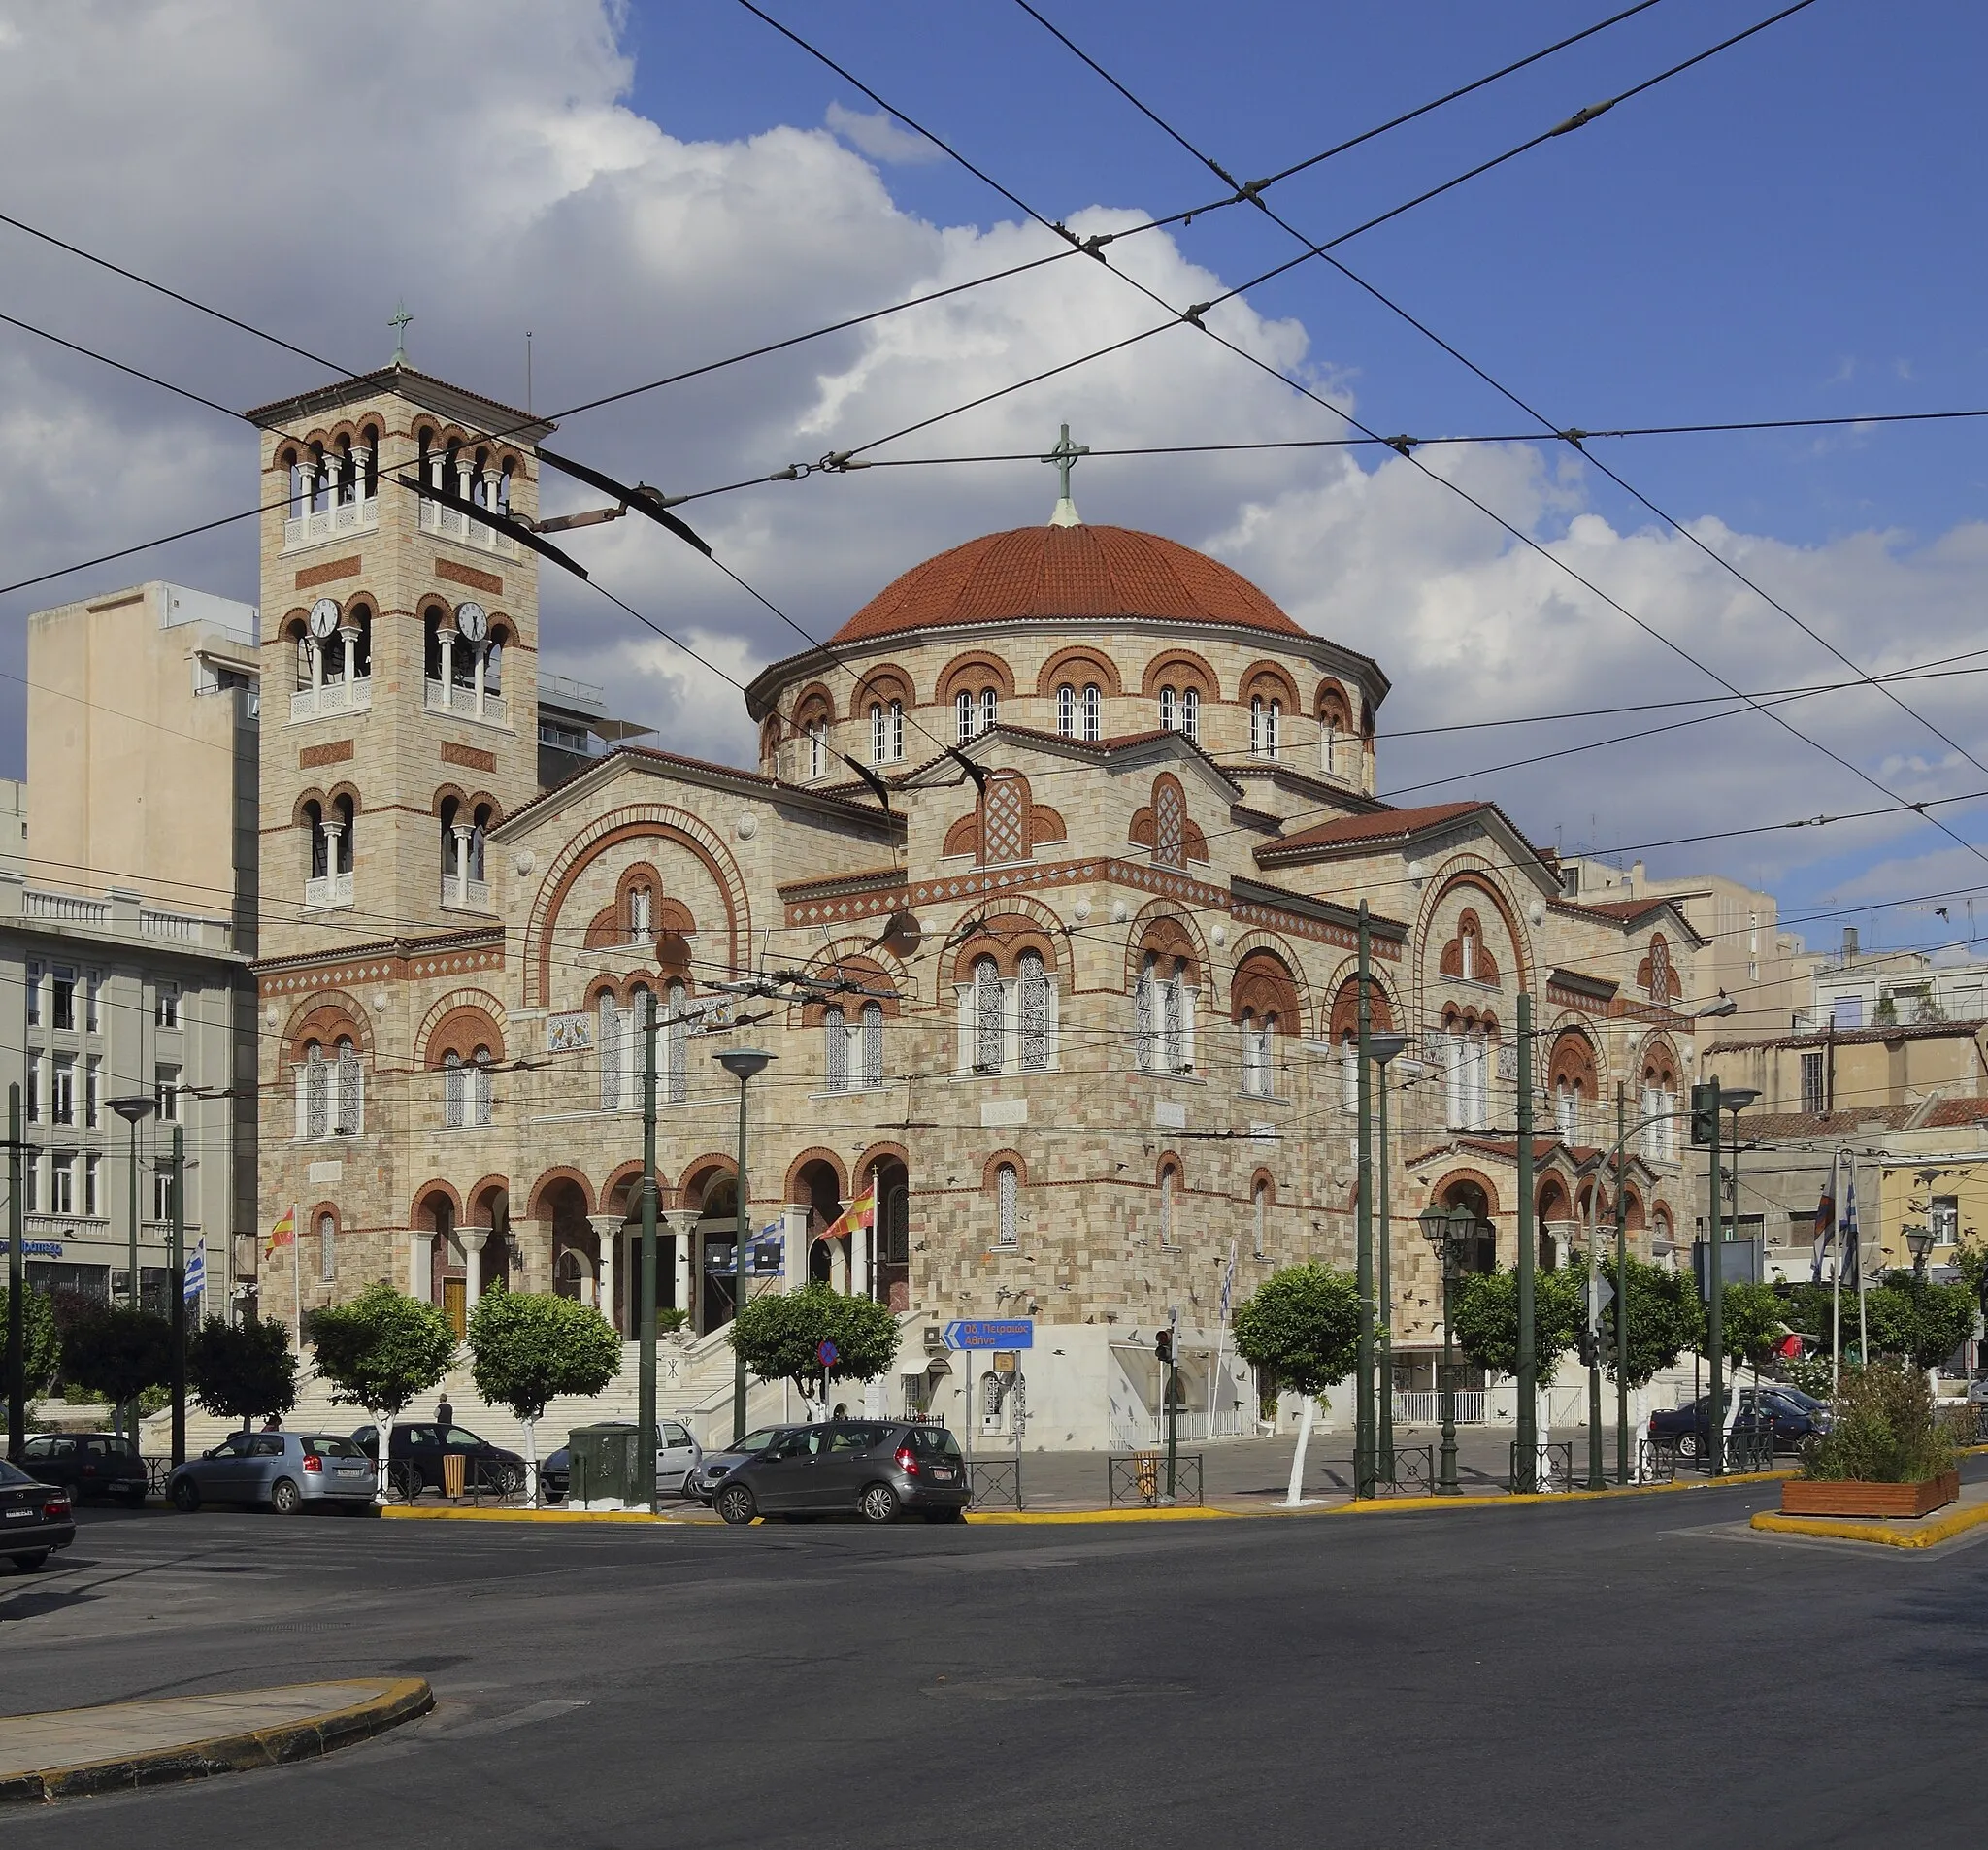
972,671
1343,1016
813,700
479,1189
886,682
1078,665
1184,667
1006,936
1013,1159
1474,870
325,1013
1287,954
817,1153
1144,933
1273,682
1573,1055
1657,1049
447,1005
1451,1177
562,1172
634,823
713,1163
435,1186
877,1155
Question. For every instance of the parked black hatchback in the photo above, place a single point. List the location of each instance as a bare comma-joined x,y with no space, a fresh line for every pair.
876,1469
88,1465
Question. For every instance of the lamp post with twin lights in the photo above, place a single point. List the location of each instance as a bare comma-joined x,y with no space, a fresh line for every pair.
1448,1230
744,1064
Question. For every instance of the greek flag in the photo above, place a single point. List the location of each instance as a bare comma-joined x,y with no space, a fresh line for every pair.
1228,1282
1825,1230
196,1271
1850,1261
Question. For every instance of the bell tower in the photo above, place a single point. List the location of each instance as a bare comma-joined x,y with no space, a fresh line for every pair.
400,657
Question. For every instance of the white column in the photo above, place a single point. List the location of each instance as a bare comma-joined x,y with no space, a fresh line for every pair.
483,655
794,1238
682,1225
362,461
608,1229
471,1239
447,660
462,831
421,1265
348,635
333,829
316,665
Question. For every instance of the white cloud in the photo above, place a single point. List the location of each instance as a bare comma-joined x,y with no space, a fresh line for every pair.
882,138
479,156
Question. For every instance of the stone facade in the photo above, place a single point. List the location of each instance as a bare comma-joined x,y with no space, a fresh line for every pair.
1073,1002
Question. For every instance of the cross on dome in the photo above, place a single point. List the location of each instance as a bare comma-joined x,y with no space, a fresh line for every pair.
1065,457
398,321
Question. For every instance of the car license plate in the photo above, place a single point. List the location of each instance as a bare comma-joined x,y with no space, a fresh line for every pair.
20,1515
943,1474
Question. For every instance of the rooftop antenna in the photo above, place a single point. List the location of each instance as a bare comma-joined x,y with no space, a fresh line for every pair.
527,372
398,321
1065,457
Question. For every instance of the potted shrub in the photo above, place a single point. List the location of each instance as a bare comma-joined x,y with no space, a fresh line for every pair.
1887,1453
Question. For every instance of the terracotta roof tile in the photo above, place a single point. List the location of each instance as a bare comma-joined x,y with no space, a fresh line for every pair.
1065,573
1382,825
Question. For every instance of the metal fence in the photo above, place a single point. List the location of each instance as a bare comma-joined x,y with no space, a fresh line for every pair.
1656,1461
1141,1477
1420,1406
1553,1469
997,1483
1414,1470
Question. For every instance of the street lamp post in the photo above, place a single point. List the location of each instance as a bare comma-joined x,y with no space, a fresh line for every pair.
1919,1243
1447,1229
132,1108
1735,1100
1363,1406
1385,1047
742,1064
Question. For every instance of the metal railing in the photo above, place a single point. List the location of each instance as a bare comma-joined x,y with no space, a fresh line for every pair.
997,1481
1553,1470
1414,1470
1421,1406
1141,1477
1656,1461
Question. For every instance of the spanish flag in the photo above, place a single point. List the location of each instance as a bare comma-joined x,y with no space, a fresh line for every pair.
283,1233
860,1214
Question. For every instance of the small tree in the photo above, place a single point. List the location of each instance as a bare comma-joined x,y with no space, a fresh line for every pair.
1302,1326
238,1370
528,1348
1913,1317
116,1351
1487,1318
378,1352
1665,1318
42,1346
781,1335
1885,1430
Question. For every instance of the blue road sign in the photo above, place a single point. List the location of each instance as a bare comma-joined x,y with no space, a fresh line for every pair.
991,1333
827,1354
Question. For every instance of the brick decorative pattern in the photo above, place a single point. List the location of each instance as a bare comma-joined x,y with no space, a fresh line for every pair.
457,572
329,573
469,756
334,752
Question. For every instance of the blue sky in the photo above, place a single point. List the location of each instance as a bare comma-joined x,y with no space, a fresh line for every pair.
1789,230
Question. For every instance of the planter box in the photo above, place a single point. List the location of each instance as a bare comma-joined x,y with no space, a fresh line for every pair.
1854,1496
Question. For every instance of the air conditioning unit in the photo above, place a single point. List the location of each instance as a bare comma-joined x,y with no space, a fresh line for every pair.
935,1340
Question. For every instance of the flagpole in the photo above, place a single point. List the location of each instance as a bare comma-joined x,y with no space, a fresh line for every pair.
1863,1320
1836,1308
297,1274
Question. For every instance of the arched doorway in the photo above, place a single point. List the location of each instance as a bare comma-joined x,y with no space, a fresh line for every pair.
892,1183
828,1258
491,1207
448,1275
716,1196
576,1247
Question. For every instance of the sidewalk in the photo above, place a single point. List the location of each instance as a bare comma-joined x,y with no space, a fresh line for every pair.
67,1753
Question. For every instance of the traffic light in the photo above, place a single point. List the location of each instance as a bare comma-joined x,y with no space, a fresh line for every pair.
1588,1345
1163,1345
1704,1117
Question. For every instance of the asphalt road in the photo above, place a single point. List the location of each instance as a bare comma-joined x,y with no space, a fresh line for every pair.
1619,1674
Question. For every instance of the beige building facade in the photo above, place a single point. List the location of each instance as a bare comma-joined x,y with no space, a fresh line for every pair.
1045,895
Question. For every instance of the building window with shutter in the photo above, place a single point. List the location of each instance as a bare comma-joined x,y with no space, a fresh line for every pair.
1145,1037
872,1044
1034,1005
1007,1206
835,1039
328,1255
482,1100
607,1038
451,1091
317,1088
989,1017
1812,1082
678,1005
351,1091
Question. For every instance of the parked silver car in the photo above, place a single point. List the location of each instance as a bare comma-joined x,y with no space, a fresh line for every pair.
284,1471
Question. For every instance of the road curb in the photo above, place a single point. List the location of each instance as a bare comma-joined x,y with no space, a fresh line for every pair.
1507,1501
1874,1535
400,1512
1192,1512
282,1745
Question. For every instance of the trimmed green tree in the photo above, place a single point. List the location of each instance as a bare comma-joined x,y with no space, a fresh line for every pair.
114,1351
1916,1318
1665,1319
780,1335
238,1370
1302,1326
528,1348
40,1340
378,1352
1487,1318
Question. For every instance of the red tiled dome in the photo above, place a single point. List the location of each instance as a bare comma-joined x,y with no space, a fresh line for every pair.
1061,572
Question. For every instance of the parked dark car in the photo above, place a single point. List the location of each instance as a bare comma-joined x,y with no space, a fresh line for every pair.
678,1455
702,1480
414,1459
875,1469
1689,1426
88,1465
284,1471
35,1519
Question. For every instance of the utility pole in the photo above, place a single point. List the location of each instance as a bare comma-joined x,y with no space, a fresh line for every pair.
1622,1287
1362,1414
178,1287
1714,1311
1527,1475
744,1064
645,1379
1173,1394
1591,1312
16,1284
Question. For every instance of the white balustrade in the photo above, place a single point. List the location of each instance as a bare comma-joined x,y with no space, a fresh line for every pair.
333,697
328,891
65,907
451,523
180,927
465,895
460,702
347,518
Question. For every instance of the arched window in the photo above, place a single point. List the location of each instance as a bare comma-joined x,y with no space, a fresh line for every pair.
872,1044
327,1258
641,913
351,1091
1170,1178
1466,1074
1467,947
1258,1066
675,1013
635,1022
1093,712
990,709
1566,1110
1170,708
989,1017
453,1082
886,732
835,1049
1066,710
1350,1071
608,1044
1272,725
963,708
316,1082
480,1099
1175,1029
318,851
818,749
1261,1206
1007,1206
1190,714
1034,1006
1145,1006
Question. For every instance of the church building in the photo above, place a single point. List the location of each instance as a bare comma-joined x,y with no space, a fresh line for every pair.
1043,894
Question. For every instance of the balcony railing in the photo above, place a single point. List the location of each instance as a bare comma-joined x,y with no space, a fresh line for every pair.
461,703
332,523
334,697
180,927
465,895
328,891
451,523
64,909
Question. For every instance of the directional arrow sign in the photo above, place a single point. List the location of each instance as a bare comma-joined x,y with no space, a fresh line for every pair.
991,1333
1600,1295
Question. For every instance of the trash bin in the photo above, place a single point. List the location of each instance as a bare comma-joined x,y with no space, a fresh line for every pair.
453,1464
601,1466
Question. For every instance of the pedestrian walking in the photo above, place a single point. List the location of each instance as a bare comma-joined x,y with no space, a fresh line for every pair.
444,1413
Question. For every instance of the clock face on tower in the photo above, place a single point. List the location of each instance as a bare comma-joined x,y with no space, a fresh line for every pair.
323,617
471,620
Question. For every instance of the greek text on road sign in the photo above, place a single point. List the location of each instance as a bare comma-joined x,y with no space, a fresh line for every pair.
991,1333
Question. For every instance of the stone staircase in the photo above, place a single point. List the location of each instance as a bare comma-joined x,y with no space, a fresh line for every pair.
693,1383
